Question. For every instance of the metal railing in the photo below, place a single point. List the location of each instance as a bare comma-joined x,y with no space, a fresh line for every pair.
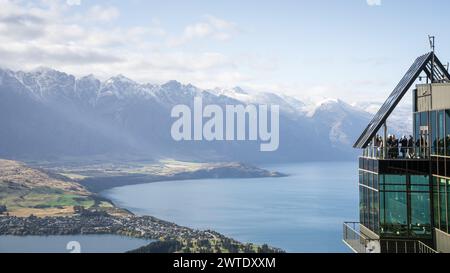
359,243
397,152
353,238
405,246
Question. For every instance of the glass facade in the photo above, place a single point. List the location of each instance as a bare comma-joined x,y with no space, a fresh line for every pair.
397,203
441,195
405,208
369,200
440,137
439,130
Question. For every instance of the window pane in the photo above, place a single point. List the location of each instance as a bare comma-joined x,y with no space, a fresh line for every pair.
395,179
375,181
382,211
396,218
420,180
366,208
436,201
361,204
416,125
395,188
443,204
423,118
420,214
376,206
447,132
420,188
441,133
448,203
433,133
371,214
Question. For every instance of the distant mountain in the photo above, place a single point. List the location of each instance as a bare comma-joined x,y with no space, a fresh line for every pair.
400,122
47,114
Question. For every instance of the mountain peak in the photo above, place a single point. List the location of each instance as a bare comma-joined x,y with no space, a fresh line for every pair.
239,90
42,69
172,85
120,78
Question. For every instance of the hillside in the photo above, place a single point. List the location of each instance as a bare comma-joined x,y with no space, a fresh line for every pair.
25,191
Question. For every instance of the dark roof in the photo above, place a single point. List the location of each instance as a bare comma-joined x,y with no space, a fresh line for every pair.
422,64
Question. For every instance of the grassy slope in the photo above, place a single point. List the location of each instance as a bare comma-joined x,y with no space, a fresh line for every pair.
27,191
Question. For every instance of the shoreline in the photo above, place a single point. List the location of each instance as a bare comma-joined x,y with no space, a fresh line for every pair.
103,183
170,235
84,210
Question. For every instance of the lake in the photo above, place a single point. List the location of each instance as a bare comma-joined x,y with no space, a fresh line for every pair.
303,212
59,244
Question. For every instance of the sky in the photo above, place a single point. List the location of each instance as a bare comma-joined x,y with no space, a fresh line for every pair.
355,50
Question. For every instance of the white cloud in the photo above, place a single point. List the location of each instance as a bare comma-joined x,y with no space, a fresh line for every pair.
102,14
210,27
374,2
49,33
73,2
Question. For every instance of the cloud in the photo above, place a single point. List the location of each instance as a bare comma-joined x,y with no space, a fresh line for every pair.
374,2
73,2
49,33
102,14
210,27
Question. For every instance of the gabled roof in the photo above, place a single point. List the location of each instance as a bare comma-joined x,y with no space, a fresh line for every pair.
423,63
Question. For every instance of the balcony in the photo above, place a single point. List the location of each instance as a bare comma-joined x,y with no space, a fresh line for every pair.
356,241
359,243
397,153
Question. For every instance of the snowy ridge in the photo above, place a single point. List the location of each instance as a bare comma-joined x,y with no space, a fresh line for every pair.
120,115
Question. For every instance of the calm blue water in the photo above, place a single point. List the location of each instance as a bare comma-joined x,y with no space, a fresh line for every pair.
300,213
58,244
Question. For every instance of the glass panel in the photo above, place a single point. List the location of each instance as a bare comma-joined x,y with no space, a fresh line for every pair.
396,218
381,212
375,181
443,204
395,179
370,180
420,188
395,187
366,208
371,214
423,118
436,201
448,204
420,214
433,133
371,165
447,132
361,204
441,133
376,206
420,180
416,126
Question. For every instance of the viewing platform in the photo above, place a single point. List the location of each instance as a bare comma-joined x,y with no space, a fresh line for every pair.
394,153
359,243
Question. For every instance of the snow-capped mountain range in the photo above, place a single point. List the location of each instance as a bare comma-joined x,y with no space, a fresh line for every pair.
45,113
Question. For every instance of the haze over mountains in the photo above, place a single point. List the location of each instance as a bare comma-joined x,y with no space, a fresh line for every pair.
47,114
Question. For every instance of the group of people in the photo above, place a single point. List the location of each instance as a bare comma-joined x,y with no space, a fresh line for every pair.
396,148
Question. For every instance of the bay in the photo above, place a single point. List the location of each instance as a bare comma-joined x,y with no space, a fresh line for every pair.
302,212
